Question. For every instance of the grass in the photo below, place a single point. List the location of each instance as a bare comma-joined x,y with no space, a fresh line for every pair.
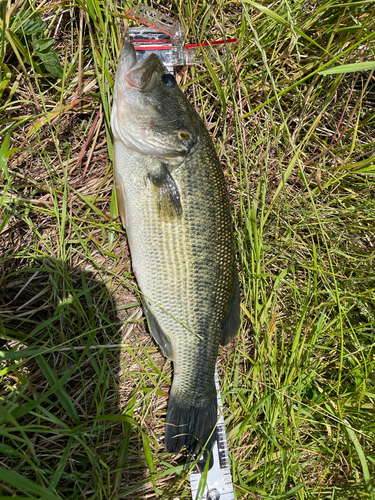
84,388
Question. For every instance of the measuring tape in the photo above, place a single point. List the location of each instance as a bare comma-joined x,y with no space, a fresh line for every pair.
219,483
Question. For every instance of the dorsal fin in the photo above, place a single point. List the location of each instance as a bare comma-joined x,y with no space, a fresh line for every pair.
232,321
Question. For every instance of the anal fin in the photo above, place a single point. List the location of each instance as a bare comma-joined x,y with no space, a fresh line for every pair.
158,334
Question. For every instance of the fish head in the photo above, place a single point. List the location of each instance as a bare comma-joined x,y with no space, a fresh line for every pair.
150,114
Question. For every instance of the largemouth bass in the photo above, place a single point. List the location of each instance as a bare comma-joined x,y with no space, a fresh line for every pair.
174,206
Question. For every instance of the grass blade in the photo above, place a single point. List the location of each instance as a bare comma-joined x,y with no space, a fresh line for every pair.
348,68
26,485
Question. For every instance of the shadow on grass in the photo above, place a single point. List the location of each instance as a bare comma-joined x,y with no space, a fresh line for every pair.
65,427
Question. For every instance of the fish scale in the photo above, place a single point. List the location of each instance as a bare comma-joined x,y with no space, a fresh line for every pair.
176,212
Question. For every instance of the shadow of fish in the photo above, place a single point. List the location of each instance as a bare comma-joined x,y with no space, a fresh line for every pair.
175,209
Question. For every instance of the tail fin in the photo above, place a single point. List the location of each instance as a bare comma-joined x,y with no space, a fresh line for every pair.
191,425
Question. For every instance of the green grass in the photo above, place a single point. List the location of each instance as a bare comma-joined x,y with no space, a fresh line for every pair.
83,386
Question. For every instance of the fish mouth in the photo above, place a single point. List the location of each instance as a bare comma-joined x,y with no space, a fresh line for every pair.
139,75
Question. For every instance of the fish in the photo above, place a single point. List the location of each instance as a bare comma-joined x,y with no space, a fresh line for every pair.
174,206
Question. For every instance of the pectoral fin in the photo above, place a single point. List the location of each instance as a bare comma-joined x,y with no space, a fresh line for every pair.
166,192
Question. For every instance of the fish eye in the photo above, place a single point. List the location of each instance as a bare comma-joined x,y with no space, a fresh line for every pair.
168,79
